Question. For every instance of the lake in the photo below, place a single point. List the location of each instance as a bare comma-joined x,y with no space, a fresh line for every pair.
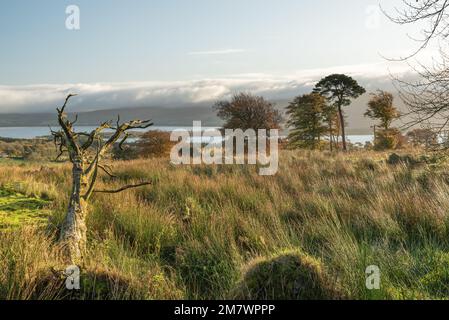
33,132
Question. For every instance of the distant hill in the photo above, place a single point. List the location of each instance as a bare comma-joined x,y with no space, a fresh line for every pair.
173,116
162,116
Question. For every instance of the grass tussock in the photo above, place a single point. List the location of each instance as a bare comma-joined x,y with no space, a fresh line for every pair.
290,275
200,231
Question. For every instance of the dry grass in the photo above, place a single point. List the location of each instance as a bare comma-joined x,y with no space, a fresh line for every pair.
193,234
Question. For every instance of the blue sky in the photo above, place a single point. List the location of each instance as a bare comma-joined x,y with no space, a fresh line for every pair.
149,42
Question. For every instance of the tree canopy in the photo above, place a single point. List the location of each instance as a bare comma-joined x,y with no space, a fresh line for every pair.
306,121
339,89
246,111
380,107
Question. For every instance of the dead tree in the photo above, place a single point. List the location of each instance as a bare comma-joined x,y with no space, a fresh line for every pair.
86,152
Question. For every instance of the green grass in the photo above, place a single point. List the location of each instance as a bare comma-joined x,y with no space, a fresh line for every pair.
204,232
17,210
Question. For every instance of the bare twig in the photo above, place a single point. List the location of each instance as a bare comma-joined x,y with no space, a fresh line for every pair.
124,188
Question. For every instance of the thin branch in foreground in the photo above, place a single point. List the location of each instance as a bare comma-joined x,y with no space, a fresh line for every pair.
124,188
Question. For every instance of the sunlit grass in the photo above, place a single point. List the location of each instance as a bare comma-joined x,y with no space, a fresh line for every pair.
17,210
195,231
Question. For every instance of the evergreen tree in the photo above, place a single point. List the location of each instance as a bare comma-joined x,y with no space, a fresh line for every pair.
306,121
339,89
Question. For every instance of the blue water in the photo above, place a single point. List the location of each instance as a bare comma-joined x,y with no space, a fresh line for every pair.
33,132
361,138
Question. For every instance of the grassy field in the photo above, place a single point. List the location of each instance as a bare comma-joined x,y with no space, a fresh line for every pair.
214,232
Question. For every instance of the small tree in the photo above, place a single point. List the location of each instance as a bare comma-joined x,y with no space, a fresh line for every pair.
154,144
86,151
306,121
340,89
381,108
423,137
246,111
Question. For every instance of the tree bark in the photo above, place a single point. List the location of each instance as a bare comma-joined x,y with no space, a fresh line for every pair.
342,125
74,231
331,136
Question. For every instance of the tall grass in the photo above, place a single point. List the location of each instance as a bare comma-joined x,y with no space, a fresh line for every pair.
198,229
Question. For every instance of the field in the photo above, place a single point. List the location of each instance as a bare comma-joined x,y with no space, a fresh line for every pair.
215,232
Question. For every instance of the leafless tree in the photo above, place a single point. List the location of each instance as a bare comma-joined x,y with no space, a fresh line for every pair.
432,12
86,152
426,98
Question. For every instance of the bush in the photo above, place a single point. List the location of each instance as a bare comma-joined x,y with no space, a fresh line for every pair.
126,152
152,144
389,139
155,144
395,159
290,275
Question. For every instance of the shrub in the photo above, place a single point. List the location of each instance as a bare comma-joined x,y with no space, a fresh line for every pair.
389,139
126,152
395,159
155,144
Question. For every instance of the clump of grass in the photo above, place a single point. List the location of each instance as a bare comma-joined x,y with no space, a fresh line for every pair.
437,279
101,284
24,253
208,268
289,275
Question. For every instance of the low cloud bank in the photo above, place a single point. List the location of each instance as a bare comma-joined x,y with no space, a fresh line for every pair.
101,96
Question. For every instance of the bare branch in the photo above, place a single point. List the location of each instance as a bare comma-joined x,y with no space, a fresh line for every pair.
107,171
120,145
65,103
124,188
433,12
93,179
67,127
122,129
95,135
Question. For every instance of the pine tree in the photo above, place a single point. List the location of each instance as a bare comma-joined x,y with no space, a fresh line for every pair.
307,121
340,90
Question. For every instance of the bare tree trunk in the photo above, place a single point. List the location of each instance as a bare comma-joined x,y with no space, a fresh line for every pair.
331,137
73,234
74,231
342,125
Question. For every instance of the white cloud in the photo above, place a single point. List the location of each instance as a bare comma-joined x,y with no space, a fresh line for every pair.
216,52
46,97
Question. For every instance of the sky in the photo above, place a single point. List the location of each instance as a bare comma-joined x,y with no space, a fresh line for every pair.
175,52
